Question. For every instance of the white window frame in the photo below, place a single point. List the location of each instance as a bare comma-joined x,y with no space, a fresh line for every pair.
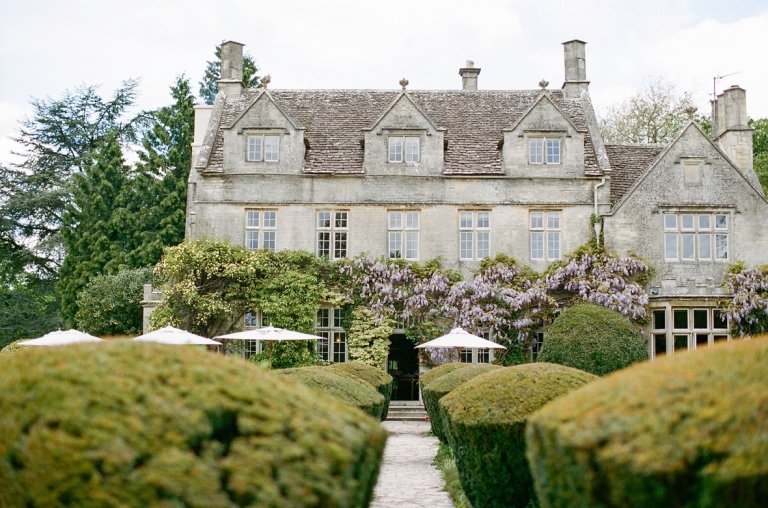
400,149
332,234
545,234
329,325
475,227
403,234
268,149
545,150
696,236
693,335
261,229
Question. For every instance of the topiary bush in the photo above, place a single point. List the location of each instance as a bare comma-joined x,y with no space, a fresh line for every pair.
685,430
427,377
485,420
374,376
353,391
130,424
442,386
594,339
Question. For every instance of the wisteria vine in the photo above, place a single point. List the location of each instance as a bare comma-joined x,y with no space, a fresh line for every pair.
747,307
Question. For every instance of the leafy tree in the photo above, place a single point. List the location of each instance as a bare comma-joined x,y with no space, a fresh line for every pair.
110,304
208,85
655,114
28,307
760,150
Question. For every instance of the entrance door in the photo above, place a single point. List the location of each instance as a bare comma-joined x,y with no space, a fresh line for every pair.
403,366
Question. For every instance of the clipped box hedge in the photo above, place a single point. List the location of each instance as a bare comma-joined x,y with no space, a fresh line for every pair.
442,386
427,377
688,430
135,425
594,339
374,376
352,390
485,422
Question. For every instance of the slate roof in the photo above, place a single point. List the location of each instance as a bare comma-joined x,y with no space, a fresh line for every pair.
628,163
335,120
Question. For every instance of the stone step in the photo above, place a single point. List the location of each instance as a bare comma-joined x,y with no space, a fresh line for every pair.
407,412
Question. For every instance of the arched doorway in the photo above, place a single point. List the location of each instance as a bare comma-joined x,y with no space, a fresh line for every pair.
403,366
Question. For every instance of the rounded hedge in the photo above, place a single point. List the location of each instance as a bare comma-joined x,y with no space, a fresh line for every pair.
427,377
442,386
594,339
381,381
689,429
129,424
352,390
485,422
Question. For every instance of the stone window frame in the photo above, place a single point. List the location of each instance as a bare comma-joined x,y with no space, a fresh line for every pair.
680,328
696,236
332,233
548,232
475,232
258,229
329,325
403,232
544,156
263,155
402,156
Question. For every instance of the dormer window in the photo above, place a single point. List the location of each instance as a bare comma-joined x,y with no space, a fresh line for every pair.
262,148
404,149
543,150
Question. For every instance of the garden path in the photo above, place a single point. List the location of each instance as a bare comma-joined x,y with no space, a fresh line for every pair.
407,477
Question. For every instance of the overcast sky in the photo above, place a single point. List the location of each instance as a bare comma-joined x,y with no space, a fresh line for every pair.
48,46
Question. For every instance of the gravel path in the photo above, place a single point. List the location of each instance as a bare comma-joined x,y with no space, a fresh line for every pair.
407,476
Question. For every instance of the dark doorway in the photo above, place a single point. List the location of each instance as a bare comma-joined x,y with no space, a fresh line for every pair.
403,365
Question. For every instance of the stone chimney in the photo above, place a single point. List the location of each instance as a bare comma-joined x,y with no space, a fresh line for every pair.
231,78
575,68
469,75
729,126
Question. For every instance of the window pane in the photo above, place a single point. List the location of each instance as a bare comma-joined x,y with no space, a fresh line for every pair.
670,221
341,220
705,222
536,151
339,245
324,243
251,240
395,246
271,148
553,245
269,240
254,148
253,219
466,355
338,318
483,244
483,356
251,319
553,220
339,347
721,246
686,221
681,342
465,220
688,242
670,246
412,220
719,321
395,149
721,221
412,244
553,151
322,318
483,219
701,319
660,319
411,149
537,219
395,220
660,344
680,318
465,247
702,339
720,338
537,245
705,246
269,219
323,219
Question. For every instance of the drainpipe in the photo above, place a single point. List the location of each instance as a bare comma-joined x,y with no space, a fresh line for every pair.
598,225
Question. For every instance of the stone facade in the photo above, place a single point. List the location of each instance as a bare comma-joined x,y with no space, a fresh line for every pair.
477,173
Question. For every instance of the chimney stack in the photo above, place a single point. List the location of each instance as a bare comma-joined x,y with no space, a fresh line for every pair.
575,68
469,76
729,126
231,78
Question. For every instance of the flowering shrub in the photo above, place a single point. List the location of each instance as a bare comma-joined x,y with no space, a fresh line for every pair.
747,308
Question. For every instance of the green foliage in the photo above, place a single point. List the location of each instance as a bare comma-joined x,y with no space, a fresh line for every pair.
352,390
760,149
594,339
110,304
436,389
28,307
446,464
208,85
154,425
485,420
367,339
685,430
287,355
427,377
374,376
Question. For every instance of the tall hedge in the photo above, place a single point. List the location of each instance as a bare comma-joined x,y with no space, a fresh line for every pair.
128,424
485,420
374,376
442,386
352,390
427,377
594,339
687,430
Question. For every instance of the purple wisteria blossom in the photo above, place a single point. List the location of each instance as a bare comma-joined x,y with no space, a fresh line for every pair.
747,308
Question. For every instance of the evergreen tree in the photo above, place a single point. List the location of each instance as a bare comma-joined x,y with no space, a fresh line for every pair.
760,149
94,241
208,85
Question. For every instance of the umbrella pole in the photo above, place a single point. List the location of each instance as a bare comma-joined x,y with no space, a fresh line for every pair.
269,343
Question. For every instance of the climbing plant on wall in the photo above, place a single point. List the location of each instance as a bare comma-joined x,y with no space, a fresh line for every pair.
747,307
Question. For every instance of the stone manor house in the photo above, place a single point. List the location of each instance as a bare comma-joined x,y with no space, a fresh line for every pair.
469,173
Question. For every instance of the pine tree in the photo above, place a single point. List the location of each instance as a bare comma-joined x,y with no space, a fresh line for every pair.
208,85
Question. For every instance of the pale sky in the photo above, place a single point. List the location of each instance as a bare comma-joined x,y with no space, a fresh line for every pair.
49,46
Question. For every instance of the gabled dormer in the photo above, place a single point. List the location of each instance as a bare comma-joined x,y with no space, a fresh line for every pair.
403,140
263,138
544,142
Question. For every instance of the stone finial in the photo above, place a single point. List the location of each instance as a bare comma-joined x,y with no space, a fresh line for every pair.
403,83
265,80
690,111
543,84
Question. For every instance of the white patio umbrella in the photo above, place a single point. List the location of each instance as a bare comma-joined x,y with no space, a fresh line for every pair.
460,339
61,338
175,336
268,334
